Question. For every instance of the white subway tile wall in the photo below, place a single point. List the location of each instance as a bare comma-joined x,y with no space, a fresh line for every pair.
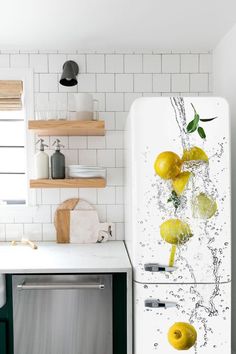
180,83
115,80
151,63
95,63
189,63
4,61
124,83
171,63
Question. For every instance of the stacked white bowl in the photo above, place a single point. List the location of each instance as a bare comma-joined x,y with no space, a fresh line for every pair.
82,171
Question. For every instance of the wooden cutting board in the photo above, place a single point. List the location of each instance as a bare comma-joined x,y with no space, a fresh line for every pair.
66,217
62,219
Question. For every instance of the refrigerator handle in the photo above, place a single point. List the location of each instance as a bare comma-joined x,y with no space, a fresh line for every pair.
154,303
155,267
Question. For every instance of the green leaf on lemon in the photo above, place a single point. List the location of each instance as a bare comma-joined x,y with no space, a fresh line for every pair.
207,119
201,132
192,126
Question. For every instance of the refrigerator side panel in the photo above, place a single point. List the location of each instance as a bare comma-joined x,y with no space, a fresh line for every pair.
129,182
206,307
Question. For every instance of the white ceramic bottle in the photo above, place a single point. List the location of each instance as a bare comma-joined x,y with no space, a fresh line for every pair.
41,162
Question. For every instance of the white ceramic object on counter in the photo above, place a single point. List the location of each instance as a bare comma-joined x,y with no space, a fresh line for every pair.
2,290
86,228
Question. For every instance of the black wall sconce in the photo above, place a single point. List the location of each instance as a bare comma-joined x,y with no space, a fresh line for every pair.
70,71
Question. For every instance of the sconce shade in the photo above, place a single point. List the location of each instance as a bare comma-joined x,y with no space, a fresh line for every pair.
70,71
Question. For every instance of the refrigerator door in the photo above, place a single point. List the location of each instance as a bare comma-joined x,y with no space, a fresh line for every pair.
156,125
158,307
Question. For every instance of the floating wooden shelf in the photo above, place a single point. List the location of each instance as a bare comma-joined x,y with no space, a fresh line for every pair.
67,127
68,183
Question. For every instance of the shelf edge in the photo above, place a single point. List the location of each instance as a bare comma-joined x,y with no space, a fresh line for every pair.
68,183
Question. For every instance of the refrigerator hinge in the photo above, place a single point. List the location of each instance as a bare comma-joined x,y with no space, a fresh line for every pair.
155,267
154,303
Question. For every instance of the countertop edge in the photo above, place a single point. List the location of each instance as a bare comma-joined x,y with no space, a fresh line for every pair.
53,258
65,271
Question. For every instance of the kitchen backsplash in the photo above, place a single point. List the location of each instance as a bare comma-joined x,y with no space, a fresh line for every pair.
116,80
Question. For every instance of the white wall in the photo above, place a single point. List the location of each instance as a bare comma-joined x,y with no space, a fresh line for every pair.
115,79
224,69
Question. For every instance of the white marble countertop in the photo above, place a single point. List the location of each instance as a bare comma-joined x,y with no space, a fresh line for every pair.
64,258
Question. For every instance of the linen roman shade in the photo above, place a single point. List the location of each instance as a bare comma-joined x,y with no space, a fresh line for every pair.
10,95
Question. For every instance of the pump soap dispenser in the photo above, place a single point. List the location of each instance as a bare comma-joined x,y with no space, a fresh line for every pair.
58,162
41,162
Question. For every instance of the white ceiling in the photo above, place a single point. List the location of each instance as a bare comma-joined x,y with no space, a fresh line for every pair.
115,24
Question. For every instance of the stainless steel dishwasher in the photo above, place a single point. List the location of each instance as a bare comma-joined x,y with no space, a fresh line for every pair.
62,314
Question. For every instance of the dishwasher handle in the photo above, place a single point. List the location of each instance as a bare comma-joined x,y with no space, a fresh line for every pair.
59,286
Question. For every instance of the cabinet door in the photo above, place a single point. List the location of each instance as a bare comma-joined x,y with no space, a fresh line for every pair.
158,307
3,338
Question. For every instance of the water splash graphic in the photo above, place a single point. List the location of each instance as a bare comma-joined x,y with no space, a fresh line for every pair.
200,182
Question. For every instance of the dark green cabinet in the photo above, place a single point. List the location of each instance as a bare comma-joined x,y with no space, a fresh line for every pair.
6,321
119,300
3,337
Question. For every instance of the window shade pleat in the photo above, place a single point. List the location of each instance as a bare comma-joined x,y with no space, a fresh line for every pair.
10,95
10,104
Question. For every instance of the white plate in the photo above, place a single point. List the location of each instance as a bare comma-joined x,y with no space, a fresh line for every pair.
87,174
83,167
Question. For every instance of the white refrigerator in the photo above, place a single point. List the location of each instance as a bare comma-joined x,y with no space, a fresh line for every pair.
178,215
